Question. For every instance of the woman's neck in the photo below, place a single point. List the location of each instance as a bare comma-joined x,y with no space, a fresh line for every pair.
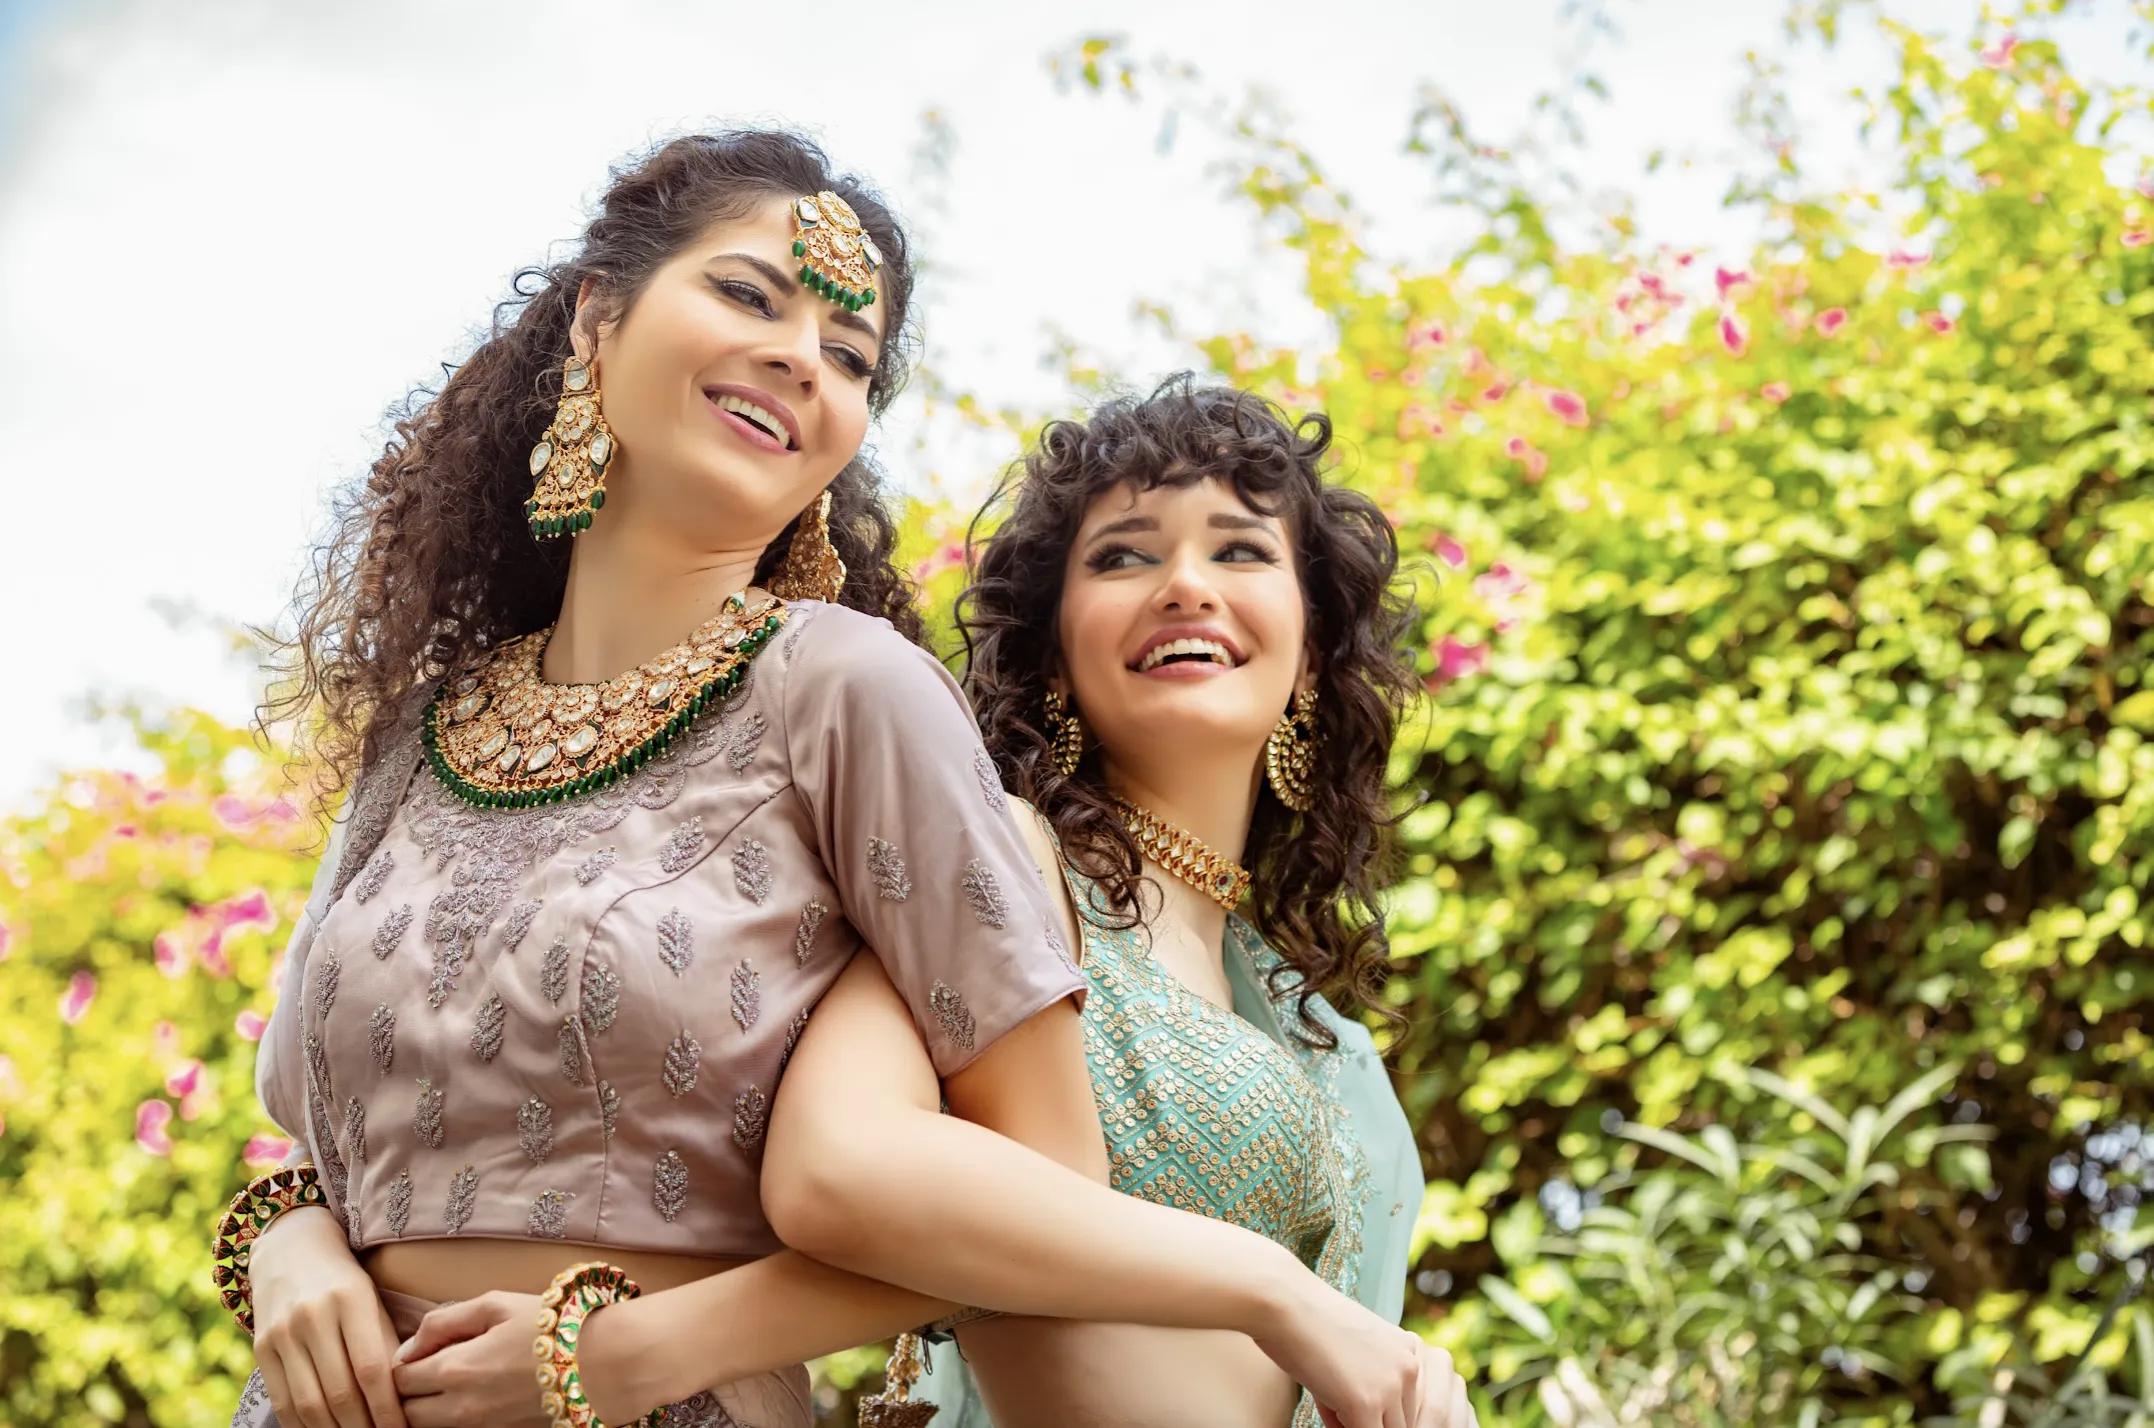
633,594
1206,802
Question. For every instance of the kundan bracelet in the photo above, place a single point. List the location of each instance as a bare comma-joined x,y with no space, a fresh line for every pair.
567,1302
253,1210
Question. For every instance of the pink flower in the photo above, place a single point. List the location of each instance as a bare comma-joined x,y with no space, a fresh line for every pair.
266,1150
170,954
249,909
1901,258
75,1001
1683,260
1723,280
151,1120
1998,53
1575,502
1455,659
164,1040
1651,283
1430,334
10,1083
126,830
1732,335
250,1025
7,939
1774,392
2138,237
1831,320
232,811
1567,405
1496,392
1937,321
211,952
183,1078
949,554
1520,449
1450,552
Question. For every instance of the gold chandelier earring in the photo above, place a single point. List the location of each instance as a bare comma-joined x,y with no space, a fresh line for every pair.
1065,732
813,569
568,466
1290,753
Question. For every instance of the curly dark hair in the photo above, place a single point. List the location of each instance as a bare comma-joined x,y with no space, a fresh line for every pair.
427,561
1317,874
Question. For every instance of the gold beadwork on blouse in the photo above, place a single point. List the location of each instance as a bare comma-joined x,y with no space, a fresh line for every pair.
501,736
1187,856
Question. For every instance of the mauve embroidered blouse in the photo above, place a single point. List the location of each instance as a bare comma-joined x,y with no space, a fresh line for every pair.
569,1022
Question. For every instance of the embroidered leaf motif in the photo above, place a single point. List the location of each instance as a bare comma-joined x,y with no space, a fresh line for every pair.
747,995
463,1195
747,737
486,1031
682,846
811,919
519,923
534,1129
377,873
751,871
985,894
792,1038
426,1116
400,1204
950,1010
601,996
355,1130
326,978
587,872
553,973
751,1117
381,1036
888,870
1056,945
571,1051
983,768
669,1185
676,941
609,1109
548,1219
683,1057
391,930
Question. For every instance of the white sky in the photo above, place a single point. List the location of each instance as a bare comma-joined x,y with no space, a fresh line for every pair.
233,231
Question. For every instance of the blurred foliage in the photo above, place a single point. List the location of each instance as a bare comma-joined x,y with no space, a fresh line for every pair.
1786,749
1787,631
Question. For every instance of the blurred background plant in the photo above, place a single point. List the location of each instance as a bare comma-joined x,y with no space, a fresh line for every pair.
1777,822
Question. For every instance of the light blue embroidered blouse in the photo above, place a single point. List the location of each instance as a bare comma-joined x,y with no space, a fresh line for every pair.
1232,1116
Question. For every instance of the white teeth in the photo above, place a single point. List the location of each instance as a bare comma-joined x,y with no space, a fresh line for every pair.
754,413
1210,649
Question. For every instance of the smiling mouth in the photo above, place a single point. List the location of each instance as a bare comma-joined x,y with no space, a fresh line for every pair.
1185,652
756,417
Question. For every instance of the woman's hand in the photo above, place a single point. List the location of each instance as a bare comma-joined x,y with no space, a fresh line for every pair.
471,1362
1364,1371
321,1337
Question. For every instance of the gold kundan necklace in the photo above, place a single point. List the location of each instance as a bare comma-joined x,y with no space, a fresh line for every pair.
500,736
1187,856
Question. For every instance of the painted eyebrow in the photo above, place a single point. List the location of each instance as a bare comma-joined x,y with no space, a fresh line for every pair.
1221,521
788,282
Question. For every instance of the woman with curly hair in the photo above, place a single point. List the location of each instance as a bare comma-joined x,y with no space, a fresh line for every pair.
611,655
1185,653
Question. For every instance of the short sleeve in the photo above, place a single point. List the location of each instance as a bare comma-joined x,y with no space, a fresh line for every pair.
918,836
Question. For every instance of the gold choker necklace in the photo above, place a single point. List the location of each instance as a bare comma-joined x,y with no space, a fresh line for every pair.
500,736
1187,856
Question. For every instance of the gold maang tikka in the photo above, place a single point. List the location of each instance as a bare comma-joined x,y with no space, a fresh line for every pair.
568,466
838,259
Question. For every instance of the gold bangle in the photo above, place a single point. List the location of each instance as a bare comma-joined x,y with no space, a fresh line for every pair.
567,1302
252,1211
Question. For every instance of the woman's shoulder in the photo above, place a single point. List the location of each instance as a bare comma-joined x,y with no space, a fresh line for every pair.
838,647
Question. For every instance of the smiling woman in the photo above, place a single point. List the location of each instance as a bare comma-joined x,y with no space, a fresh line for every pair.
623,808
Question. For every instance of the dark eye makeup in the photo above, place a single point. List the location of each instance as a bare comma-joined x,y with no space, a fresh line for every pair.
752,297
1116,555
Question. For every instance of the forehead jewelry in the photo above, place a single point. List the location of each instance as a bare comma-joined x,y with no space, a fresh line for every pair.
838,259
